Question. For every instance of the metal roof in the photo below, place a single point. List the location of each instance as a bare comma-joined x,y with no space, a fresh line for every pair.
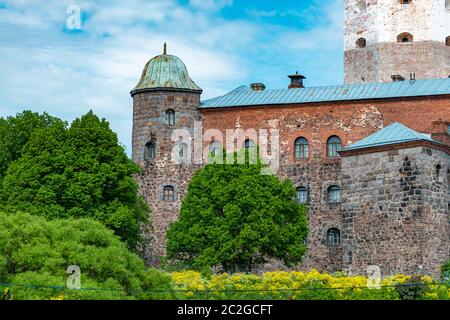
244,96
165,72
392,134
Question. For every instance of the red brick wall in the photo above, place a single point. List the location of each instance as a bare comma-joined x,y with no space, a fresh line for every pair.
351,121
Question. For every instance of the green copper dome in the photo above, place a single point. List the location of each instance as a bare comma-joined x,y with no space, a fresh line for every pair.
165,72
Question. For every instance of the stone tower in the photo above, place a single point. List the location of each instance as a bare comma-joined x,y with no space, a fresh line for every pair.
165,107
386,40
395,202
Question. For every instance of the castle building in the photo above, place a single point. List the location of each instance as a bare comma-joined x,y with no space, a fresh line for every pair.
369,158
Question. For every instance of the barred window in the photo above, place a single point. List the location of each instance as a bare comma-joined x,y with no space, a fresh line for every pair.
333,147
170,117
168,193
150,150
302,195
301,148
333,237
334,194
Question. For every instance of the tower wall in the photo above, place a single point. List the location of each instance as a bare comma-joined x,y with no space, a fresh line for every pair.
380,22
395,211
149,124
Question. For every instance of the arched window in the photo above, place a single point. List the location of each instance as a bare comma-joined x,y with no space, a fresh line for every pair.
361,43
301,148
302,195
249,143
447,41
150,151
405,37
334,194
405,1
333,146
215,148
362,6
333,237
168,193
170,117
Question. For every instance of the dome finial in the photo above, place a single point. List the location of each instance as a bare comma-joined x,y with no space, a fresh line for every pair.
165,49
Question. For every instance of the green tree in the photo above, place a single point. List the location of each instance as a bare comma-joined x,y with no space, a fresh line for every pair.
80,171
235,217
36,252
15,133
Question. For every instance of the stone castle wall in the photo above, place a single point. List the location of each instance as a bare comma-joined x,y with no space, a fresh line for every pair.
395,211
378,62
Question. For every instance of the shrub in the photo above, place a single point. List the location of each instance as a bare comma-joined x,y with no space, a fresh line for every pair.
36,252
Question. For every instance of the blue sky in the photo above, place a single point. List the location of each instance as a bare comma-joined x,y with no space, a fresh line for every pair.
48,66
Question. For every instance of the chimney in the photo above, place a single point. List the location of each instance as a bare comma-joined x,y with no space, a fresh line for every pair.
441,132
296,81
397,78
258,86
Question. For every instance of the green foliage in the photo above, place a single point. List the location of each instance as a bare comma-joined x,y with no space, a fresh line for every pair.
80,171
15,133
235,217
412,289
37,252
445,270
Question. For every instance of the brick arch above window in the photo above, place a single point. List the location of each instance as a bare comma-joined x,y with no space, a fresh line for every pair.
405,37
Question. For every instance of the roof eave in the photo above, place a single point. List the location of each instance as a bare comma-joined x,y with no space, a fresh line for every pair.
395,146
135,91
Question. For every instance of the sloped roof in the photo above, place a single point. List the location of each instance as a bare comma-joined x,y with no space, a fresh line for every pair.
244,96
392,134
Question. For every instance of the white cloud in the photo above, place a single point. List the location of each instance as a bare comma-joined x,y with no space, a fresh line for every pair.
46,68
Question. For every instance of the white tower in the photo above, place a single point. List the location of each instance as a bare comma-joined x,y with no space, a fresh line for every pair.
385,38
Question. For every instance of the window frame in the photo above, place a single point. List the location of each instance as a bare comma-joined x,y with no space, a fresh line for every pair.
301,148
332,191
150,151
168,193
170,117
335,235
305,190
333,148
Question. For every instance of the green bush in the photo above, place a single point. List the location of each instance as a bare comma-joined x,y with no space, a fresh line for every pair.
37,252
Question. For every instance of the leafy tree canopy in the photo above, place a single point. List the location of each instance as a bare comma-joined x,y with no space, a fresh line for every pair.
37,252
235,217
77,171
15,133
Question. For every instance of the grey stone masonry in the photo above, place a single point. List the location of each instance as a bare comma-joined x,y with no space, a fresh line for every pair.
395,211
149,124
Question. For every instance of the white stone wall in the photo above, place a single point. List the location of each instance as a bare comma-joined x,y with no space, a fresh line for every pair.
383,20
